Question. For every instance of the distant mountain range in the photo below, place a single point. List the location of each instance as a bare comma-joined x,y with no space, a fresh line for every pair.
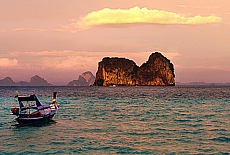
86,79
34,81
201,84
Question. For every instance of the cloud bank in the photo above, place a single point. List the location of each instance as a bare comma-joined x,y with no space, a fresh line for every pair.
68,60
7,62
62,65
120,17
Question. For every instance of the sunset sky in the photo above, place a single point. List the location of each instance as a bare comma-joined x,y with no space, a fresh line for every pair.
59,40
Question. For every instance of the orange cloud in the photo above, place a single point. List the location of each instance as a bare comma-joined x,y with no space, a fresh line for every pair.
6,62
136,15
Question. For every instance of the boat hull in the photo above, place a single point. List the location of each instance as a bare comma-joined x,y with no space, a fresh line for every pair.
23,120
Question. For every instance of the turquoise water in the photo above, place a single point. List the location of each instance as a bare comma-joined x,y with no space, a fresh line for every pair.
122,120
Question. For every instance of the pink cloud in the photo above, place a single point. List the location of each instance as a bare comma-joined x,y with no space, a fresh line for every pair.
28,30
70,60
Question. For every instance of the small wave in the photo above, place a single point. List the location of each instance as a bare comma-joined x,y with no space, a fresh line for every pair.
222,139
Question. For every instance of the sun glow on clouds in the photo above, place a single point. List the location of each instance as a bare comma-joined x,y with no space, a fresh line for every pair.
120,17
6,62
68,60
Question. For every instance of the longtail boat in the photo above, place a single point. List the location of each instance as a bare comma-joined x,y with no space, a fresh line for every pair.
31,111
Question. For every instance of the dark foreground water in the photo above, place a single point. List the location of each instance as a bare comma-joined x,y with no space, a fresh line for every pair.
122,120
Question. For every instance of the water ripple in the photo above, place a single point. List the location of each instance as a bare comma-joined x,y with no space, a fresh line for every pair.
122,120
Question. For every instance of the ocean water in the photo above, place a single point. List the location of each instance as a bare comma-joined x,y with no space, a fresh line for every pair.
122,120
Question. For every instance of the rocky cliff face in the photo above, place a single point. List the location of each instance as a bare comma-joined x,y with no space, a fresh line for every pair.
89,77
157,71
116,71
86,79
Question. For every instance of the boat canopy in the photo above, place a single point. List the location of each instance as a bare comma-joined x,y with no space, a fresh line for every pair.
30,98
27,98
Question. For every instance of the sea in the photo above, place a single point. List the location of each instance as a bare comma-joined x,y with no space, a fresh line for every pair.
122,120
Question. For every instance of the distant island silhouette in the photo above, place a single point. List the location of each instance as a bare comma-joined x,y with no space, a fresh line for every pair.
86,79
201,84
34,81
81,81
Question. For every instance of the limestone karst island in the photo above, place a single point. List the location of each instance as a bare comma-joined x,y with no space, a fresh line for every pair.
157,71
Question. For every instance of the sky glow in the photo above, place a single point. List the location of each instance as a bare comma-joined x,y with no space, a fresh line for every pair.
59,41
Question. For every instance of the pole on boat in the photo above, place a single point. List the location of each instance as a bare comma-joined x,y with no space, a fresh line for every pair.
54,96
16,94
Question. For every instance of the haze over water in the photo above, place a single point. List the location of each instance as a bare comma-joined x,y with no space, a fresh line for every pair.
122,120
